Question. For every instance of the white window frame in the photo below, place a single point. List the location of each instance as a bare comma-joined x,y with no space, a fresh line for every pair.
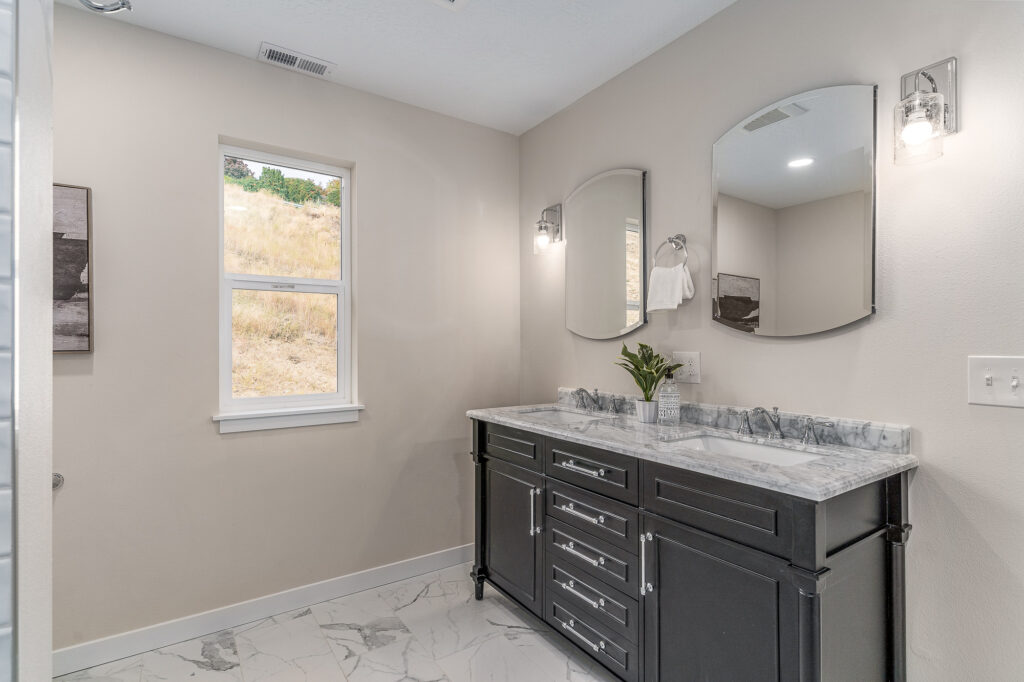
274,412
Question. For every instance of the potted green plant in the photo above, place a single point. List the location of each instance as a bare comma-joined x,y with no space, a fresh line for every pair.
647,369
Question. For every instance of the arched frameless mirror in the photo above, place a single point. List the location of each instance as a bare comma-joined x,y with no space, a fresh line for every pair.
605,245
793,240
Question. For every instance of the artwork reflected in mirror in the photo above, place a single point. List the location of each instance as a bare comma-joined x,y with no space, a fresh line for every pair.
72,295
739,301
605,243
793,243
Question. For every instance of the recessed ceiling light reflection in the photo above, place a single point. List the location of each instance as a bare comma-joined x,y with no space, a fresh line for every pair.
800,163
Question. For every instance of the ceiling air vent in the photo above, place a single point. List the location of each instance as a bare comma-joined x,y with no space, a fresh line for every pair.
774,116
295,61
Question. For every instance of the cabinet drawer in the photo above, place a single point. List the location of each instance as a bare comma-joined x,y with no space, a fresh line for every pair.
614,565
513,445
601,471
611,650
614,610
603,518
755,517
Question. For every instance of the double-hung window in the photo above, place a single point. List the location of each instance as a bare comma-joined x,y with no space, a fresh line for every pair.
285,293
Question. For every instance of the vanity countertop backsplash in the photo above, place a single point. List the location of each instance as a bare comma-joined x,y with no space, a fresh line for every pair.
851,454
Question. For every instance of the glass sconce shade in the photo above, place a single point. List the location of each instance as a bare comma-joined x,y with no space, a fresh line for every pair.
549,228
920,123
543,236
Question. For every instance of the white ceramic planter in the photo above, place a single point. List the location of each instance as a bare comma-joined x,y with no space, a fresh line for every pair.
647,411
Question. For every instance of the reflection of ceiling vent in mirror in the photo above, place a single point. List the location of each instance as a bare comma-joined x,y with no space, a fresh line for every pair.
454,5
774,116
295,61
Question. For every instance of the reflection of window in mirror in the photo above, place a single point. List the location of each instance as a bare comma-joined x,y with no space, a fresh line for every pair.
633,283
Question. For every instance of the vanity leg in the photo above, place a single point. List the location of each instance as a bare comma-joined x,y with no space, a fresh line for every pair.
478,587
479,572
897,536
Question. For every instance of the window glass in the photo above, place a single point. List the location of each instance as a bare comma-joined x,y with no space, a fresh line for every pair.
283,343
280,221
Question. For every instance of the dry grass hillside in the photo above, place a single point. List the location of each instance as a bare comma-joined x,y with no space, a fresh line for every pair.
283,343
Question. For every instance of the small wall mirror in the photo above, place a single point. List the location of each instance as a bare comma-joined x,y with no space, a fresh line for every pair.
793,240
605,244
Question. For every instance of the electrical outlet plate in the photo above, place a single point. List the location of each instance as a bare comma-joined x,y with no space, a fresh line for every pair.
689,373
990,380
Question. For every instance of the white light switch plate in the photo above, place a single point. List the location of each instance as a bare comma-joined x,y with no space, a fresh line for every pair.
689,373
990,380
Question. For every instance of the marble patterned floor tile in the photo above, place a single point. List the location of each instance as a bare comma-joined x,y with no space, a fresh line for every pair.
125,670
405,661
286,648
441,612
359,623
494,660
425,629
213,658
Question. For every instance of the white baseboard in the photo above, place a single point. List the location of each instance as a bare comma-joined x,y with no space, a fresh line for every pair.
115,647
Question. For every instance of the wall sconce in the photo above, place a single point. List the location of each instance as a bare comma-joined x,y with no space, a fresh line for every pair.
925,115
549,228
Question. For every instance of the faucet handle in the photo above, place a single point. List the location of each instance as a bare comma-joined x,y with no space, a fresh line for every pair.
810,432
744,428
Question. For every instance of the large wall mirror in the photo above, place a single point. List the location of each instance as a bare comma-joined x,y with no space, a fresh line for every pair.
793,240
605,244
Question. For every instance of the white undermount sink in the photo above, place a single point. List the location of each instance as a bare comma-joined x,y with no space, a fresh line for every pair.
556,416
752,451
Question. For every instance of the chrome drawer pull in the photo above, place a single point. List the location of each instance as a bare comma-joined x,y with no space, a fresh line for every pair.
569,587
571,549
534,493
571,625
645,587
571,465
570,509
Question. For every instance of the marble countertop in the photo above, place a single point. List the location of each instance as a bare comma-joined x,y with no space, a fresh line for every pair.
836,470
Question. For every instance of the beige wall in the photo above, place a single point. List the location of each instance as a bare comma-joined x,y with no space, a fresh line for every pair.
33,358
821,263
162,517
949,275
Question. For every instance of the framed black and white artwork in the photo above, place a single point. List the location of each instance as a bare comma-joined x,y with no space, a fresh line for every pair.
72,269
738,302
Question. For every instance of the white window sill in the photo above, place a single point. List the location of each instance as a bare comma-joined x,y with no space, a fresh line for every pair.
286,418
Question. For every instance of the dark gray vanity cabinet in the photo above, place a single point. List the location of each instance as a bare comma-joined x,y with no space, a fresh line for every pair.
667,575
716,610
513,498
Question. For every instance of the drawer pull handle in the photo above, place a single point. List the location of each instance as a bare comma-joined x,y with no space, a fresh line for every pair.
571,549
570,588
571,465
570,509
571,627
645,587
534,494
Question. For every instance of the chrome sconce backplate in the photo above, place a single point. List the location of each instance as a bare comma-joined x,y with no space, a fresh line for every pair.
944,74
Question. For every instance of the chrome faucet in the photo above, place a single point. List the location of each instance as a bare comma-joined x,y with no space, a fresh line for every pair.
810,433
583,397
773,421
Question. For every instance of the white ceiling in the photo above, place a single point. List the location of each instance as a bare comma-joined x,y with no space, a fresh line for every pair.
837,131
506,64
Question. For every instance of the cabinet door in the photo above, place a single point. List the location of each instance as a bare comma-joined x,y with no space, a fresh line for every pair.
514,514
714,610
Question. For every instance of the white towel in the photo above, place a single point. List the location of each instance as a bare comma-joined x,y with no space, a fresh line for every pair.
669,287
